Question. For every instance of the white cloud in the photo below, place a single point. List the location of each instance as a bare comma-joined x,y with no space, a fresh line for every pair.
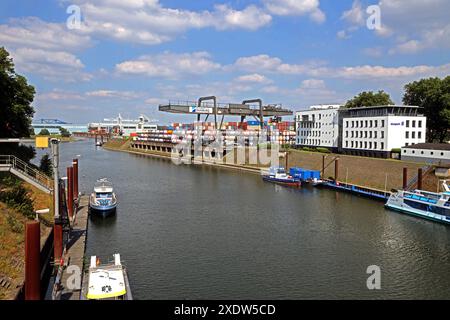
169,65
356,15
32,32
312,84
52,65
296,8
114,94
254,78
268,64
149,22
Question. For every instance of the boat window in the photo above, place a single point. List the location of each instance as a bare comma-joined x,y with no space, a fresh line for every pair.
104,194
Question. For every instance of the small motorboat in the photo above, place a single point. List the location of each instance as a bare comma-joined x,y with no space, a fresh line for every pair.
98,143
103,200
106,282
278,175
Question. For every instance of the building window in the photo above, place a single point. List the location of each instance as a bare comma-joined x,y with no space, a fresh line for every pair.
375,145
420,123
407,123
382,134
365,144
370,134
361,123
346,144
375,134
382,123
413,134
382,146
407,135
371,123
370,145
419,134
414,123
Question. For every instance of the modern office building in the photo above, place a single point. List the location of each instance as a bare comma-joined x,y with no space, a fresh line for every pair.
367,131
376,131
437,153
318,127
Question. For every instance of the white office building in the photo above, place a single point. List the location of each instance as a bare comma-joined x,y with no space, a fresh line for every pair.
318,127
375,131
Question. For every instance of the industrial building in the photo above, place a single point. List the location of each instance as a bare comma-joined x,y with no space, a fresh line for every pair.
367,131
436,153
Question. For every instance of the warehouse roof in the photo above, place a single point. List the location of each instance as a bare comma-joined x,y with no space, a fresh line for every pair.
430,146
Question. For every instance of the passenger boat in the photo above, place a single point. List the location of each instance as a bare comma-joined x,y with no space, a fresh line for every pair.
278,175
424,204
106,282
103,200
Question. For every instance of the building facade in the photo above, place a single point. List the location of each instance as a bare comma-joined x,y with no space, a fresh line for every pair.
437,153
367,131
318,127
376,131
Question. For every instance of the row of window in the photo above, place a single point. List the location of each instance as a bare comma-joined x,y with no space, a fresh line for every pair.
313,125
364,123
364,145
413,122
413,135
313,133
364,134
431,153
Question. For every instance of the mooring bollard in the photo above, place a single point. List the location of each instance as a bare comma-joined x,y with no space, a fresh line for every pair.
32,261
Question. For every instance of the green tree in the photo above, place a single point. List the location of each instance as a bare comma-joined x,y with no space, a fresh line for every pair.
16,96
433,95
44,132
369,99
46,165
64,132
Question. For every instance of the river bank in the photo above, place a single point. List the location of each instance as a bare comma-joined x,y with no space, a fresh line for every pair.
372,173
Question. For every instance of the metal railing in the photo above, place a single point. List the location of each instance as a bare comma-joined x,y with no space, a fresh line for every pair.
425,171
27,170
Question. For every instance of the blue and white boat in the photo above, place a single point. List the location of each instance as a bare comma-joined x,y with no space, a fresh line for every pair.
278,175
424,204
103,200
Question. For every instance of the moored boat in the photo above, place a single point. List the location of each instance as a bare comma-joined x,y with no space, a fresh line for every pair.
424,204
103,200
106,282
278,175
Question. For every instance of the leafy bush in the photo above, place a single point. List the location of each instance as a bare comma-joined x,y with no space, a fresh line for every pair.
64,132
16,226
17,197
44,132
396,150
46,165
308,149
323,150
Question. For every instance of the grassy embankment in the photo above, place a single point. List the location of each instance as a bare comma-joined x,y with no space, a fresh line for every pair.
12,237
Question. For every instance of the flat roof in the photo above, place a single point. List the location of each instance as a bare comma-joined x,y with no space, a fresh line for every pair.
387,106
430,146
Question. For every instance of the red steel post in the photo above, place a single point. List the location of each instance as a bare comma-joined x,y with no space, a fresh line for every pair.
405,178
420,178
70,191
75,178
336,170
57,242
32,261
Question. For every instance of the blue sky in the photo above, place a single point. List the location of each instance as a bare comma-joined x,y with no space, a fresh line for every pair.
130,56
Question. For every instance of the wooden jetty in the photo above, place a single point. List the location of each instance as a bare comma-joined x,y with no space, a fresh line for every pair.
69,277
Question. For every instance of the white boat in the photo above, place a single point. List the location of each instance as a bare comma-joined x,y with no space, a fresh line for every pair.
98,143
424,204
103,200
106,282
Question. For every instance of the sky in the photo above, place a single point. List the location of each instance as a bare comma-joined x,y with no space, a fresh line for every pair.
93,59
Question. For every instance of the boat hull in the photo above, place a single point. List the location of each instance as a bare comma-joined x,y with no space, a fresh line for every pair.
284,182
103,211
393,205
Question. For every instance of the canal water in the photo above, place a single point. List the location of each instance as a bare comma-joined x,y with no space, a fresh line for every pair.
190,232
